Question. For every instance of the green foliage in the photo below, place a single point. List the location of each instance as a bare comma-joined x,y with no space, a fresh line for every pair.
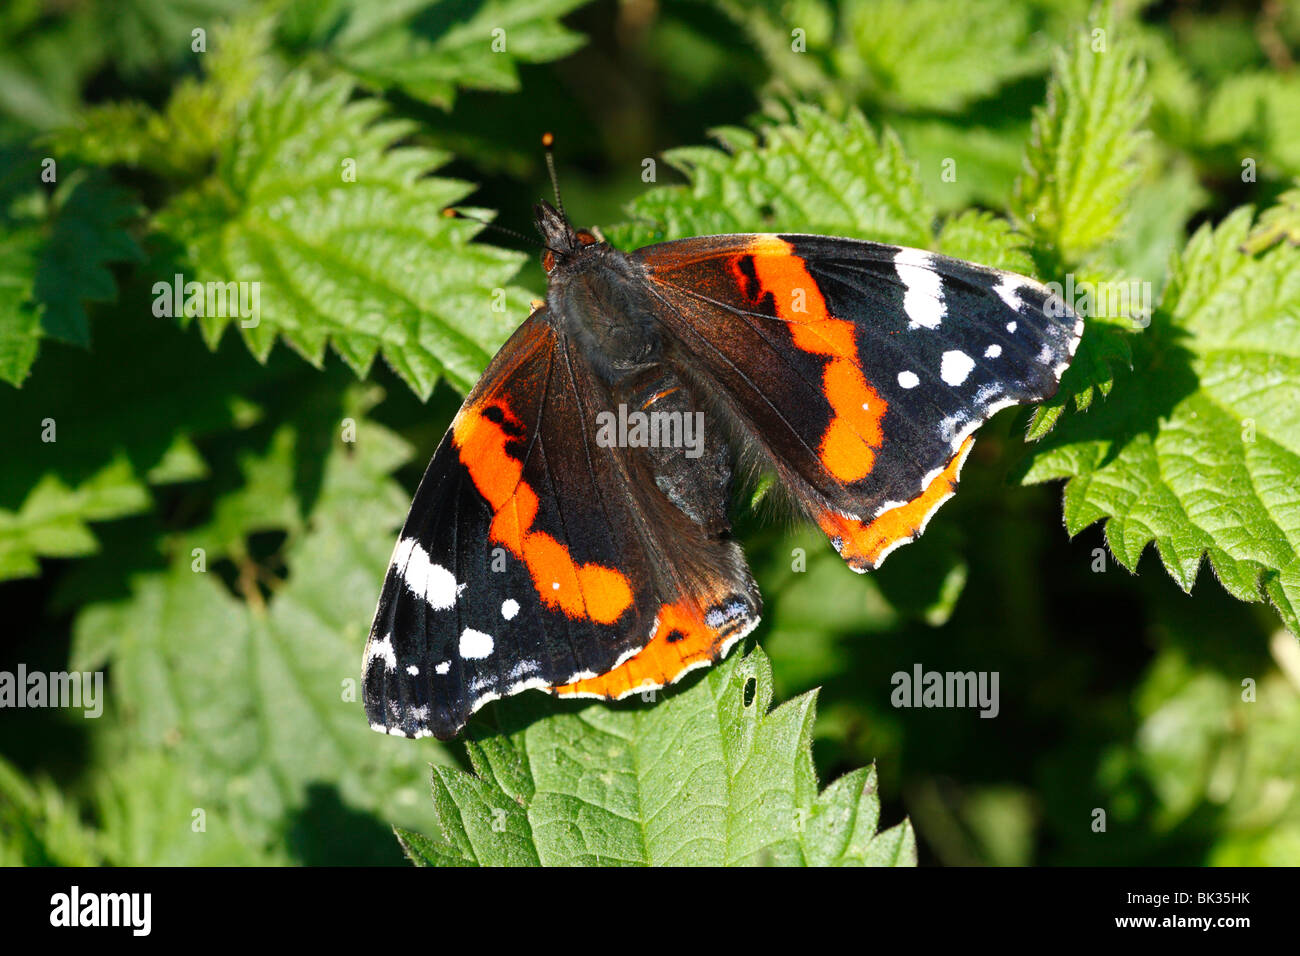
347,239
812,174
707,777
429,48
1203,455
256,700
55,257
886,52
1082,158
231,507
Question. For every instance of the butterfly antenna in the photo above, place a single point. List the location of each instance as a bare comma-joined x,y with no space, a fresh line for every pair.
458,214
548,143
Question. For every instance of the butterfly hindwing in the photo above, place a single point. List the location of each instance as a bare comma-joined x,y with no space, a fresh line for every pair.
534,559
861,368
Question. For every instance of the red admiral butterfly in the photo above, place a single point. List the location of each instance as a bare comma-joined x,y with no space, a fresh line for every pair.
537,555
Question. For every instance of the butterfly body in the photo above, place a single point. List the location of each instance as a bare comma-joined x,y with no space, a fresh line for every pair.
571,533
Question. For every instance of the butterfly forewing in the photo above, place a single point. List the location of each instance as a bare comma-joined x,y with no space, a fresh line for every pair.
860,368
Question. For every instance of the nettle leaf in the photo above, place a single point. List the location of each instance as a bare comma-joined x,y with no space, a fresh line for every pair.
1082,161
141,35
429,48
54,518
706,776
55,256
985,162
39,826
1192,722
87,231
79,459
935,55
1203,454
20,319
984,238
1259,113
178,141
257,698
902,54
371,266
814,174
1082,165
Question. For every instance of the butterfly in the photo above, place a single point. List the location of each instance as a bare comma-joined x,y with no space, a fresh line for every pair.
571,533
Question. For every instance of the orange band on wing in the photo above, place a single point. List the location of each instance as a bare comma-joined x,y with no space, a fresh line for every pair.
848,448
865,545
588,591
681,642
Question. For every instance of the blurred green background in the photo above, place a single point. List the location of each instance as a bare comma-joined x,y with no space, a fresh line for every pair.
1118,691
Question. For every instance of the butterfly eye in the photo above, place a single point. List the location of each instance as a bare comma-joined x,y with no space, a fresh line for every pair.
586,238
548,260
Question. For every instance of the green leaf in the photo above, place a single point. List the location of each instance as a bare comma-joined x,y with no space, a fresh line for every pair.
20,320
144,34
52,521
152,811
257,699
1219,748
80,459
962,164
39,826
707,776
1081,165
429,48
180,140
1202,454
982,237
54,255
365,262
934,55
900,54
1258,114
813,174
88,231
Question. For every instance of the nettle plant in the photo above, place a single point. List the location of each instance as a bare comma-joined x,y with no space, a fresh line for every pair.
286,163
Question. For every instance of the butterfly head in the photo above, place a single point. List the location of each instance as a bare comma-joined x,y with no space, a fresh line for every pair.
561,239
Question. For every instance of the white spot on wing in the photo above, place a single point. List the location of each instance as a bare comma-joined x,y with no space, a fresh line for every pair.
1011,326
955,367
443,667
383,650
908,380
923,288
425,578
413,670
993,351
475,645
1006,291
509,608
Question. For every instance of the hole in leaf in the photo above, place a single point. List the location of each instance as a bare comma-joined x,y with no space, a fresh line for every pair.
751,688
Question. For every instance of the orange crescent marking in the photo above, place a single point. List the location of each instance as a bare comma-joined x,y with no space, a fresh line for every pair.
848,448
660,661
863,544
589,591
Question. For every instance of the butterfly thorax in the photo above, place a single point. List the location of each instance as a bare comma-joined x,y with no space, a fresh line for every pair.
598,297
